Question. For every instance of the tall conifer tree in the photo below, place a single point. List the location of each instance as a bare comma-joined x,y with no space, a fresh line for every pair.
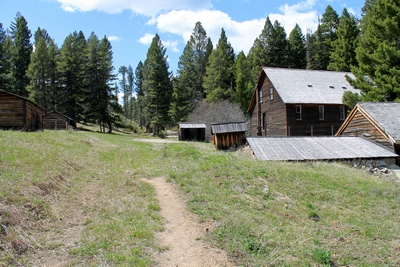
343,54
71,66
157,85
5,60
297,56
378,53
22,50
219,80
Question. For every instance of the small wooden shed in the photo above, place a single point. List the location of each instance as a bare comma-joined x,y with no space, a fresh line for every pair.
57,121
19,113
229,134
188,131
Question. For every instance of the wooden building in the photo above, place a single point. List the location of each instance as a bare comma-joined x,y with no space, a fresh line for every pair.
192,131
379,122
57,121
293,102
19,113
229,134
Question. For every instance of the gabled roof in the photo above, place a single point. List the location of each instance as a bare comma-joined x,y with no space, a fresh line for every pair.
191,125
56,112
316,148
228,127
299,86
24,98
383,115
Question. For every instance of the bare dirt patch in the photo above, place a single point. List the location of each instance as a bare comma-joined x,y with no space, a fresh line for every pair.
183,234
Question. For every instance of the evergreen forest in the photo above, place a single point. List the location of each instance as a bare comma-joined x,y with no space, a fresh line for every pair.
79,80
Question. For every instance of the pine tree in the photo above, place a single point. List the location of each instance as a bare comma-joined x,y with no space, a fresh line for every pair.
22,50
99,98
131,85
219,80
39,75
185,95
343,54
278,46
157,85
378,53
202,48
320,43
42,71
139,79
5,60
123,70
297,57
71,67
244,83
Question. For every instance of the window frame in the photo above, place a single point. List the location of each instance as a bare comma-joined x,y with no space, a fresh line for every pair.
271,93
321,112
298,112
260,96
342,113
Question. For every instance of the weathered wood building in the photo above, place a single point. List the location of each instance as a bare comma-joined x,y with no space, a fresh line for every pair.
229,134
379,122
293,102
19,113
57,121
192,131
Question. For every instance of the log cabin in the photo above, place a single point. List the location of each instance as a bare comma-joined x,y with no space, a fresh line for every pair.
57,121
229,134
379,122
294,102
19,113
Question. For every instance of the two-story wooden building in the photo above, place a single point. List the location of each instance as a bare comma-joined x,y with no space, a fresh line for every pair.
294,102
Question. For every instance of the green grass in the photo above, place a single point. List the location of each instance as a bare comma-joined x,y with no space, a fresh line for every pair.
265,213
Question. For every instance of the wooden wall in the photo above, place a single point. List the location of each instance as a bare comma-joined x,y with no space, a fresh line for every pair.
19,113
55,121
228,140
310,124
361,126
275,113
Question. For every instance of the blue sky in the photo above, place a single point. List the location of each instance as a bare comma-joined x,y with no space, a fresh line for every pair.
131,24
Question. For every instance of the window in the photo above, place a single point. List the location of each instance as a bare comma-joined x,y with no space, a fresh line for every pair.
260,96
298,112
264,121
321,111
271,93
342,113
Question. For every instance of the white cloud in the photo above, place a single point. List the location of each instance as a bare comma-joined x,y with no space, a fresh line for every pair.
147,8
114,38
146,39
242,34
172,45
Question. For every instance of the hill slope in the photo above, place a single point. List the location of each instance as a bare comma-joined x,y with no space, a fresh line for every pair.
72,199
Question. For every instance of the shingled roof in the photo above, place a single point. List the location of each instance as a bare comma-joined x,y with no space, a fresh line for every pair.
228,127
298,86
384,115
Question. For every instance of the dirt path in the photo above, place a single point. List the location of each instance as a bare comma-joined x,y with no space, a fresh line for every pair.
183,233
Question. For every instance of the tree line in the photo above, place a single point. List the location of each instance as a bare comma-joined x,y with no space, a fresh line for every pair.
78,79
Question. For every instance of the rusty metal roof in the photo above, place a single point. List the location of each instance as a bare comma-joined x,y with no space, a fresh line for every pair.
228,127
316,148
190,125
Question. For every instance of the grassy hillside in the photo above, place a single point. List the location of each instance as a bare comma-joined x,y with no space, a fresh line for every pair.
78,199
